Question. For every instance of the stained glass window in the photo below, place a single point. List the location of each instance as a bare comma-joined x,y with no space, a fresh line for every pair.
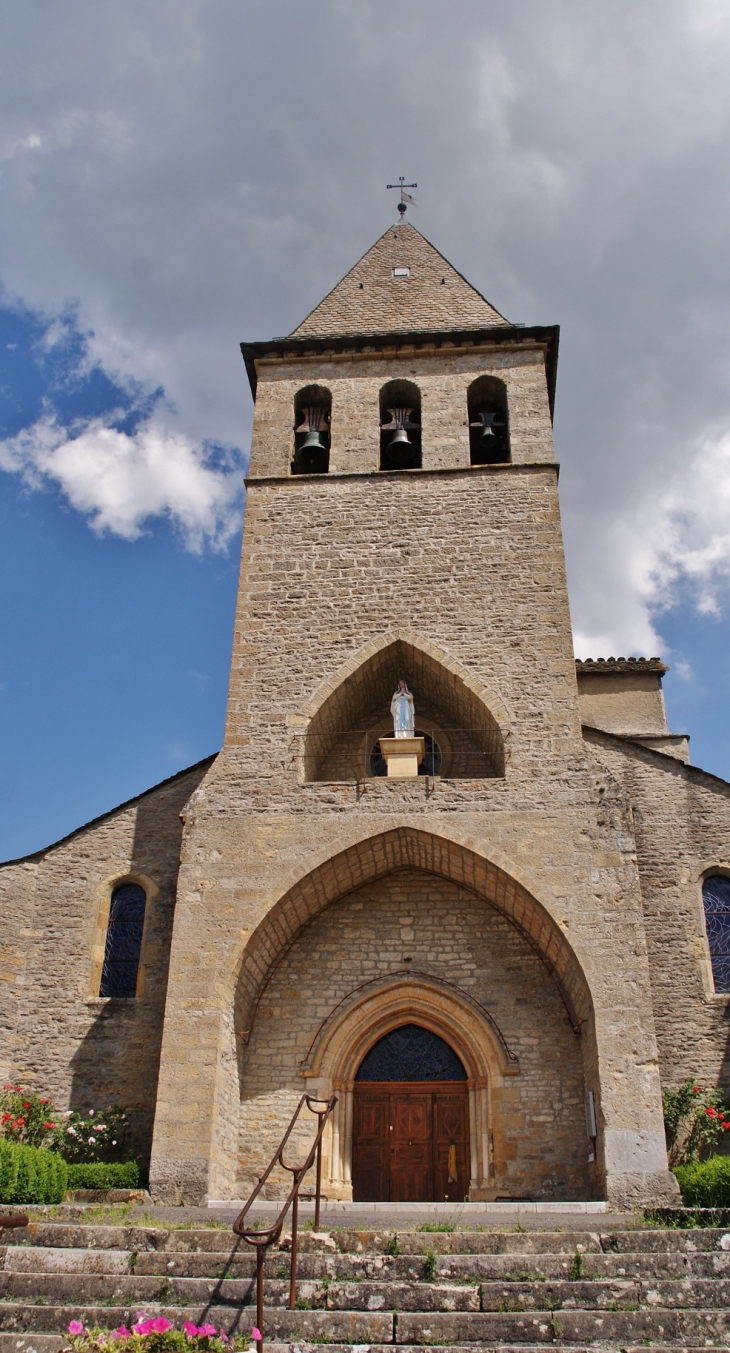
411,1054
123,941
716,897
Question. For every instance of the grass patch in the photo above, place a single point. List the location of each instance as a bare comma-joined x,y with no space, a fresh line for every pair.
445,1226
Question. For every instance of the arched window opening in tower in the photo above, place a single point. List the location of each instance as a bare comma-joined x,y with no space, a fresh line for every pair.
488,421
312,417
716,899
400,426
123,941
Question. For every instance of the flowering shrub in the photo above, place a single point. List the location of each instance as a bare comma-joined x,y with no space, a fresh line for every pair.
694,1122
99,1135
25,1117
156,1335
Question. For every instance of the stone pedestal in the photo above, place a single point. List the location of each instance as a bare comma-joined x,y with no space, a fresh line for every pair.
402,756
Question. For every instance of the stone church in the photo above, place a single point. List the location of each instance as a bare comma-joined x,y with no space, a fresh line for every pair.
495,936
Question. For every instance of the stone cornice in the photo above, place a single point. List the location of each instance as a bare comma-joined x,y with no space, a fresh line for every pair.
404,344
467,471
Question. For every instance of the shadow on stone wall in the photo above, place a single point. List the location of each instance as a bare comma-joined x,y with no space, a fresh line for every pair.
117,1061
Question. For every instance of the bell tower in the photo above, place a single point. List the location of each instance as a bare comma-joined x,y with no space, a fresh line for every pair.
402,525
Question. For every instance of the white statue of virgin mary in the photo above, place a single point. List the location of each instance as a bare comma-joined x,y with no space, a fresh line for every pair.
403,711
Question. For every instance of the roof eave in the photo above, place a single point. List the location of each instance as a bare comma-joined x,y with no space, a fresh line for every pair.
494,334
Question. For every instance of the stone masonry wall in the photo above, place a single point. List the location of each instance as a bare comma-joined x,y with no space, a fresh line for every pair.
540,1145
58,1034
682,824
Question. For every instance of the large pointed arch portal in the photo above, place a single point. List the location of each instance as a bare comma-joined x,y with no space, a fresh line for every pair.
341,1037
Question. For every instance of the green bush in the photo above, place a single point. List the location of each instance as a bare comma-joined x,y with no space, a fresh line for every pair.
705,1183
29,1174
104,1175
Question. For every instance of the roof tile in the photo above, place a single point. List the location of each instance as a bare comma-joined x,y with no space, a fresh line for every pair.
371,299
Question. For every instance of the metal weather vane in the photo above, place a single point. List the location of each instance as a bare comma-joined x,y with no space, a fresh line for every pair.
405,198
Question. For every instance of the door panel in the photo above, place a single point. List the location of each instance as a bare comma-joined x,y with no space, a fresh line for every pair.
451,1146
371,1148
410,1152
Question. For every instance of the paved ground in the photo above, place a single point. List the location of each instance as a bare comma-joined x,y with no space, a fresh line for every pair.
394,1216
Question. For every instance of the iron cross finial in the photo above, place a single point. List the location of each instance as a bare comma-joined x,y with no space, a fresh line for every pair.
405,197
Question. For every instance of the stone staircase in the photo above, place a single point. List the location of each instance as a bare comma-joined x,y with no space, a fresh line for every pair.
622,1289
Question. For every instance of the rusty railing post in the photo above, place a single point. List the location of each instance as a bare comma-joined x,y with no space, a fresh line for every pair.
318,1193
260,1258
294,1237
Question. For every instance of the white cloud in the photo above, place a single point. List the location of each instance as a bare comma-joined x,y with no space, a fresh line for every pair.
675,541
121,481
188,175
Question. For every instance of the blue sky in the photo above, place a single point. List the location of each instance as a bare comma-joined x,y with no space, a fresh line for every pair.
175,178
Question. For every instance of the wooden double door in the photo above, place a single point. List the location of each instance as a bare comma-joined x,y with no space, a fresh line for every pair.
410,1141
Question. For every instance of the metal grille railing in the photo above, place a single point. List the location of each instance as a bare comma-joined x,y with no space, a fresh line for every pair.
268,1236
452,753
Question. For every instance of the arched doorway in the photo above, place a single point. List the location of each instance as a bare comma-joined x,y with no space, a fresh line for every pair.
410,1138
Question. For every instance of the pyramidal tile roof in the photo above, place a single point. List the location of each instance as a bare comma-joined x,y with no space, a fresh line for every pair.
402,284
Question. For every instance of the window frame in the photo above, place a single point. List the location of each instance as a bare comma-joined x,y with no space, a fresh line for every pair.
104,902
708,977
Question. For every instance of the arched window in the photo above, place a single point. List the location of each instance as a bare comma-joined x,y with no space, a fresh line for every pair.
312,415
400,426
488,424
123,941
411,1053
716,897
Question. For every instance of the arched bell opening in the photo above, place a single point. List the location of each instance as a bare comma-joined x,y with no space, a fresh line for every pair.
488,421
400,426
312,418
462,738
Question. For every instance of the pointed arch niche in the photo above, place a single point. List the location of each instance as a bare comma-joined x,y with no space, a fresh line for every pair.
464,738
331,1050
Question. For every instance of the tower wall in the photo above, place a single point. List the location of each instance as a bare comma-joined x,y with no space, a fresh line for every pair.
466,565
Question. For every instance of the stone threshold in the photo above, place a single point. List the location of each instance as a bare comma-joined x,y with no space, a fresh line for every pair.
424,1210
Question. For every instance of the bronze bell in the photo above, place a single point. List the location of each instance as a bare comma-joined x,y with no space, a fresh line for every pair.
312,456
490,445
400,450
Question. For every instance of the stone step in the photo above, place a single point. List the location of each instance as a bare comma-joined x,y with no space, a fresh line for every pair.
142,1239
696,1329
240,1262
598,1294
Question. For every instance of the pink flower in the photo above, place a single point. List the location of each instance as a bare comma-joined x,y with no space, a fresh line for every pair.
256,1334
190,1329
121,1333
142,1324
160,1325
75,1327
207,1330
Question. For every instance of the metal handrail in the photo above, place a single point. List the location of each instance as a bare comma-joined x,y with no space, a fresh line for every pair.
269,1236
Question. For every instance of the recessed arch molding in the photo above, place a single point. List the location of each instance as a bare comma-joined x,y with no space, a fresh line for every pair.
447,695
375,857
